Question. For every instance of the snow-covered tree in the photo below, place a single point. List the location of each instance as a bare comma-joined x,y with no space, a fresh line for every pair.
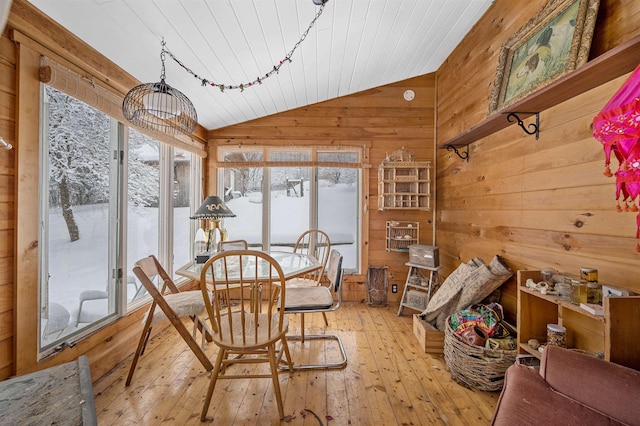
79,158
144,157
78,155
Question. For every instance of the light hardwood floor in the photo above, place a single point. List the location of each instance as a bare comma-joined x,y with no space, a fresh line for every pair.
389,380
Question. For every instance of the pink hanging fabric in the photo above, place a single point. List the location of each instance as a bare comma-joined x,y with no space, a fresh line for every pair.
617,127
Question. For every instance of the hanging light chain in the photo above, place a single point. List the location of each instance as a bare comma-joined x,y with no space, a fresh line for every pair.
162,57
258,80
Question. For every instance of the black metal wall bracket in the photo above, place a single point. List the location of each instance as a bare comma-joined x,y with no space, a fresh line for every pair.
463,155
535,128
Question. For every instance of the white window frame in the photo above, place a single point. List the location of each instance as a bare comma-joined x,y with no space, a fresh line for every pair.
118,218
313,165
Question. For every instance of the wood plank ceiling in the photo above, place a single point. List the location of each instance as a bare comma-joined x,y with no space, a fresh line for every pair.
354,45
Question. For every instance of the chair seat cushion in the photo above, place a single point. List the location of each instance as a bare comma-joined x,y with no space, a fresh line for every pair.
307,298
301,282
264,334
184,304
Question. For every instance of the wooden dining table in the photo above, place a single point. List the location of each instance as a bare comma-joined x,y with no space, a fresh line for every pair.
293,265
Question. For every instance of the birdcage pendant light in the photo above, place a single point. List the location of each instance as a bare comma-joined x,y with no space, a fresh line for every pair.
160,107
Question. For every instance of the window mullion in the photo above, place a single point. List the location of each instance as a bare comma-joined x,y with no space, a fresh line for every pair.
117,246
266,208
165,207
313,198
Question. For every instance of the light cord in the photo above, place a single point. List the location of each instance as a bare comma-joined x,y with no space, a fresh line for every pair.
258,80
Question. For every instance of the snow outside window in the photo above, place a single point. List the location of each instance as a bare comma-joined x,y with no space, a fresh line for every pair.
111,197
278,193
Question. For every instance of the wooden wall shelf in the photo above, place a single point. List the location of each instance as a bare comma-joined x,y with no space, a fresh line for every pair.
606,67
404,185
400,235
615,334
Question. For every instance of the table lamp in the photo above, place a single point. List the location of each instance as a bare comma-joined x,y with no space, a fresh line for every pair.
212,209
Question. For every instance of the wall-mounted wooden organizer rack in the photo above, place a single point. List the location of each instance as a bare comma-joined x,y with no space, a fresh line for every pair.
606,67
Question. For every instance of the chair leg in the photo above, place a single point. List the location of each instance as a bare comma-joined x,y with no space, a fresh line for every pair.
326,321
302,327
287,354
191,342
212,384
205,331
331,365
223,369
271,350
142,344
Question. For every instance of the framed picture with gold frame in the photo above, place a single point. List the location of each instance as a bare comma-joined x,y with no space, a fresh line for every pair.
553,43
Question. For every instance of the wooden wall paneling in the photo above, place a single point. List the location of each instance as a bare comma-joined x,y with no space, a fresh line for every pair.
617,21
476,57
7,186
27,169
378,118
474,61
8,68
6,297
542,176
6,325
6,358
539,202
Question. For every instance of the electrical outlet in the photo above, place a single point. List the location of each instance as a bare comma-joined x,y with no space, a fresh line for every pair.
394,288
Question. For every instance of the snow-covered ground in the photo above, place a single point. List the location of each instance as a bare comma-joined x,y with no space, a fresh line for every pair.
83,264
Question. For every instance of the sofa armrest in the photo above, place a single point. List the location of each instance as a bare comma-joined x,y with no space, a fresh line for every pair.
609,388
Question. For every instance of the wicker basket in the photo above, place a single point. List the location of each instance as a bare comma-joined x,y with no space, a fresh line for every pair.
475,366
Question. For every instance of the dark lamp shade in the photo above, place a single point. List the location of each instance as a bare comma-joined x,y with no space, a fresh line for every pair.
213,208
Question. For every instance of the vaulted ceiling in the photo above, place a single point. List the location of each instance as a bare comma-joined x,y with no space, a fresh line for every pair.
354,45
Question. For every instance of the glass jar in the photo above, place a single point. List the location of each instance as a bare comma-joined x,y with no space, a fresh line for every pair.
578,291
589,274
563,290
594,293
556,335
547,275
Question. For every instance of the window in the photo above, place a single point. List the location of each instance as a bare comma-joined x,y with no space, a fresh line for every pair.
278,193
143,201
77,214
111,196
185,181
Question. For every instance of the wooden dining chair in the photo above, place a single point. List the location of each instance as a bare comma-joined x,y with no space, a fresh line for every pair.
316,243
174,305
234,245
255,327
302,300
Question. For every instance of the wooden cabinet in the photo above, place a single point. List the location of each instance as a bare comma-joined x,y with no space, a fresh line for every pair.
404,185
400,235
615,334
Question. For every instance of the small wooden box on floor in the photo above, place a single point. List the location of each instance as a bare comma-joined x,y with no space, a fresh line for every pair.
429,338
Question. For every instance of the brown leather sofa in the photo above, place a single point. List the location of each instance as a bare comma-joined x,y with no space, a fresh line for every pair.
571,389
